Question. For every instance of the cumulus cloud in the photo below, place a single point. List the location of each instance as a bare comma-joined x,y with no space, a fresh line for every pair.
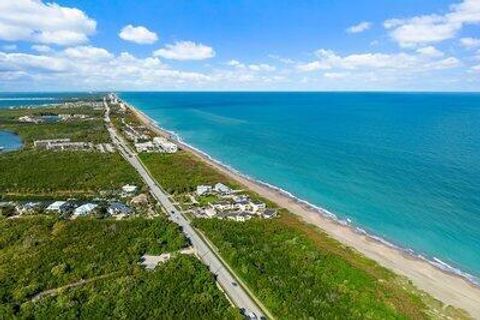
470,42
426,59
88,53
434,28
430,51
140,35
49,23
185,50
362,26
253,67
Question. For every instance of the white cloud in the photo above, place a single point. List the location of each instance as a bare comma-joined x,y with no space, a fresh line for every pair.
41,48
470,42
476,68
423,61
50,23
185,50
430,51
336,75
9,47
140,34
88,53
252,67
362,26
434,28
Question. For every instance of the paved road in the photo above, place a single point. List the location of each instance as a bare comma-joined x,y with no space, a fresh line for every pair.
234,290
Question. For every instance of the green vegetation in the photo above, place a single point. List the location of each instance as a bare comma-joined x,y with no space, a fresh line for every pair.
80,130
181,172
44,253
63,174
88,130
299,272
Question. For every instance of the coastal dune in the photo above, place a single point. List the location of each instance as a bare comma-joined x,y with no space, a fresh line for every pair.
447,287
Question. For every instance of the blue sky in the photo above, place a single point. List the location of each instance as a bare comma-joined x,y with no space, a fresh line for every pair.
240,45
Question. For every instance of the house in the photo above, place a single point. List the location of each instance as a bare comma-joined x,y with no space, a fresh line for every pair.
145,146
257,206
165,145
223,205
59,206
210,212
222,189
117,208
269,213
85,209
129,188
239,216
28,207
203,190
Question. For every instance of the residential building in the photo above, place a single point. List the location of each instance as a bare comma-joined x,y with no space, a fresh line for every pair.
203,190
222,189
59,206
118,208
145,146
129,188
165,145
85,209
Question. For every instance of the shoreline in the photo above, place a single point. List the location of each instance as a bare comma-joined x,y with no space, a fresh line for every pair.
441,281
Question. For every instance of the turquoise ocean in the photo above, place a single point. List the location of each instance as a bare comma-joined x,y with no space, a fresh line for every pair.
403,167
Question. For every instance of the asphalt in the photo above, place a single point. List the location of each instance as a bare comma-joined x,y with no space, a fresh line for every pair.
227,281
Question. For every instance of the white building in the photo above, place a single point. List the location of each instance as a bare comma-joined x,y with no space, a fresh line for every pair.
257,206
46,143
145,146
222,189
85,209
129,188
57,206
165,145
203,190
210,212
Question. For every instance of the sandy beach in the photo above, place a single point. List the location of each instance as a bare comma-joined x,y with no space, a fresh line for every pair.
447,287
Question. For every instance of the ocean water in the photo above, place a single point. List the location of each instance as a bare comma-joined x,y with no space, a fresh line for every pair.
402,166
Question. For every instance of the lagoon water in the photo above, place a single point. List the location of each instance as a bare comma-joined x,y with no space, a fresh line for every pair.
9,141
403,166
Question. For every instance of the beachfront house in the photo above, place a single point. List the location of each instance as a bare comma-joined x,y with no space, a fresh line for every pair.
257,206
165,145
269,213
145,146
203,190
118,208
222,189
85,209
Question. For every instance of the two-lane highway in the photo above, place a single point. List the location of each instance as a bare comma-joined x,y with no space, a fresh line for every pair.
226,280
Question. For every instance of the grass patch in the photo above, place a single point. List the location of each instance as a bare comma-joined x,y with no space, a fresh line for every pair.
63,173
